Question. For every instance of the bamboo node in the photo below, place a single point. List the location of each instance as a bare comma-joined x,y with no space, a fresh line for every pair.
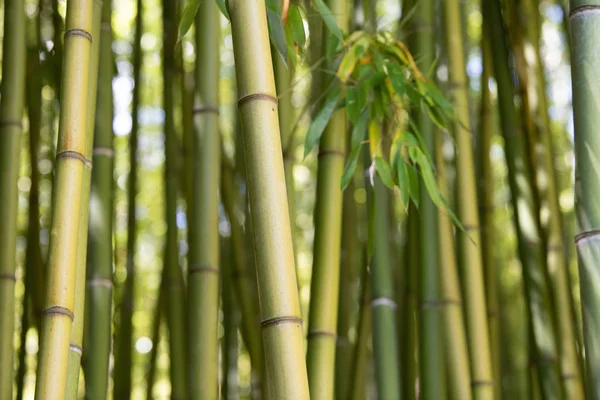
74,155
10,122
258,96
583,10
76,349
569,376
321,333
383,302
104,151
200,268
323,153
281,320
587,236
58,310
205,109
78,32
108,283
478,383
438,303
8,277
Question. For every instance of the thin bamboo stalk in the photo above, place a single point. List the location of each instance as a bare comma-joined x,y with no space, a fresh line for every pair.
97,335
278,293
525,210
156,324
11,112
324,294
69,194
231,319
584,21
175,289
409,335
458,367
360,354
203,269
124,337
76,343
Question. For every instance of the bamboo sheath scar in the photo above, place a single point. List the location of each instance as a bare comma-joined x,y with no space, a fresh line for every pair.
279,304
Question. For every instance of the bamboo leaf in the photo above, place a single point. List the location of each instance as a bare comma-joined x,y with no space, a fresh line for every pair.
350,167
223,7
413,184
187,18
276,30
317,126
384,171
329,19
403,181
359,132
295,25
347,64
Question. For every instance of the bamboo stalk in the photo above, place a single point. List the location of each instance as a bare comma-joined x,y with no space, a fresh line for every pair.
203,270
231,317
525,210
278,293
69,193
409,335
324,288
11,112
360,354
76,343
584,21
124,338
175,289
97,335
156,324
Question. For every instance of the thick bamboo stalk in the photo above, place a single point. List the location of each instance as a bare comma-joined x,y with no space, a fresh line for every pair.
124,338
231,321
469,240
203,270
324,288
76,344
431,350
584,21
458,367
279,304
11,112
486,212
358,370
97,333
525,210
409,345
175,289
69,193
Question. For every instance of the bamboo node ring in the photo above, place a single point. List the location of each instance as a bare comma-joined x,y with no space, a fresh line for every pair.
10,122
258,96
104,151
383,302
58,310
587,236
8,277
76,349
323,153
108,283
583,9
199,268
74,155
478,383
281,320
321,333
79,32
205,109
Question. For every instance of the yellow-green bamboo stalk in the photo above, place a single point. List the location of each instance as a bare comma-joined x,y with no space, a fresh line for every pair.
279,304
409,345
358,371
175,289
76,344
203,269
458,367
98,321
469,240
324,288
11,112
69,193
157,319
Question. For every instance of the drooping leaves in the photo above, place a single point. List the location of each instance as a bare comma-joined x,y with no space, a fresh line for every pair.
187,18
276,30
328,19
316,128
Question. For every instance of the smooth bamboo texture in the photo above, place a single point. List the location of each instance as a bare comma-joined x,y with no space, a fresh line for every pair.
203,269
458,367
157,320
280,309
68,195
324,289
469,240
350,266
11,113
124,337
174,286
432,377
486,212
98,324
76,343
231,321
409,339
525,211
584,21
360,355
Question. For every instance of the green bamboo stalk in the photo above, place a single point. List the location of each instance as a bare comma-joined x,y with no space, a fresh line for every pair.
469,240
203,270
324,294
360,354
124,337
584,21
58,48
349,271
525,210
97,334
431,349
409,336
156,324
231,317
69,195
278,293
175,290
76,344
11,112
486,213
25,325
458,367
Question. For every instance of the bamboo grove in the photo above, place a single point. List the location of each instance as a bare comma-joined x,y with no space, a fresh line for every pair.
294,199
